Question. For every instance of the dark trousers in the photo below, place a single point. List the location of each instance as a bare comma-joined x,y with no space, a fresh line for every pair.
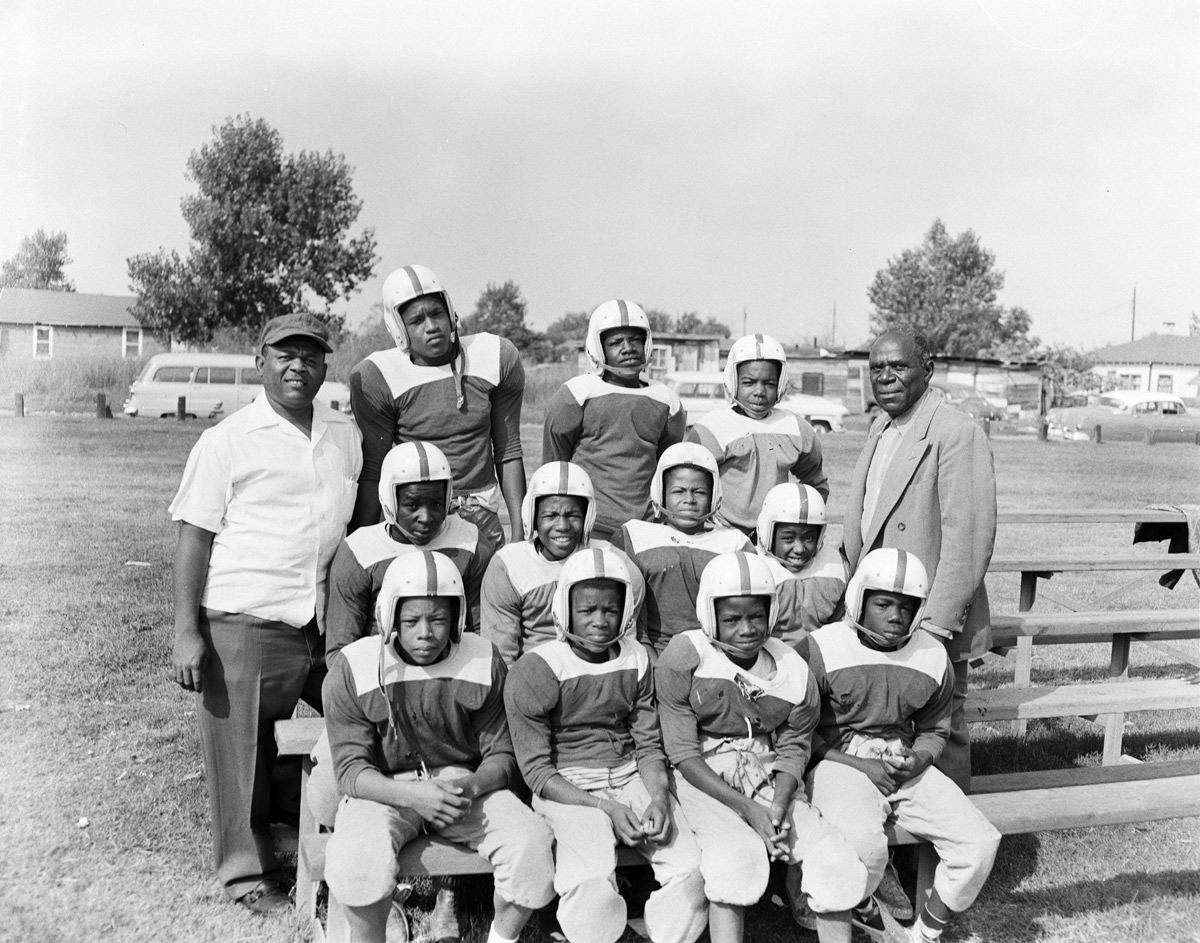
257,671
955,760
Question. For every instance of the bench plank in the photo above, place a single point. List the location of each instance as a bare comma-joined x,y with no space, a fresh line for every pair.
1106,622
297,737
1073,700
1084,776
1087,564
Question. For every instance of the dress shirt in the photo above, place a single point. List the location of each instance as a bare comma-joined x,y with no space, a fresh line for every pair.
885,451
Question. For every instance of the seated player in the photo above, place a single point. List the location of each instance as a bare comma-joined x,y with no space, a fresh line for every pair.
810,574
559,512
738,709
416,487
886,691
420,743
585,729
611,422
756,443
673,551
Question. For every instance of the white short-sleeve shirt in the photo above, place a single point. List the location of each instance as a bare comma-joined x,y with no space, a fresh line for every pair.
278,502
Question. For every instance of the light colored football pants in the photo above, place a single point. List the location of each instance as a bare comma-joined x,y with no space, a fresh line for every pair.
929,806
590,910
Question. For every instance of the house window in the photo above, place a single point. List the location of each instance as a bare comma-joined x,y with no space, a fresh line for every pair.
812,384
1166,383
131,342
43,342
659,359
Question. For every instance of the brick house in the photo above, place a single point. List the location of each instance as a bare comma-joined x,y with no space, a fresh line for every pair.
50,325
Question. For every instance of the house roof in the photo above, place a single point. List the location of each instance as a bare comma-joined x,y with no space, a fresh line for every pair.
1155,348
65,308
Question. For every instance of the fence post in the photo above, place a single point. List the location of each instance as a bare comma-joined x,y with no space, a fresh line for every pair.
1151,437
181,408
1043,430
19,405
1097,436
102,407
987,428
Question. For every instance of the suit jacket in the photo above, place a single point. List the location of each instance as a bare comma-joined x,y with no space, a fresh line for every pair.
938,500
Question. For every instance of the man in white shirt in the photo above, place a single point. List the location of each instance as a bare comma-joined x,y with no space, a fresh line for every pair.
264,501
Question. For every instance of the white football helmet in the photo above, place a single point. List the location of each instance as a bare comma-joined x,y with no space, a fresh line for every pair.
401,287
592,563
559,478
613,314
790,503
755,347
890,570
733,574
415,575
685,454
407,463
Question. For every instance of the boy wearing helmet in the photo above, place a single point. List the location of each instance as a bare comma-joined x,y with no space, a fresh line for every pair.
886,692
611,421
461,392
420,743
585,729
810,575
558,512
758,445
738,709
673,551
416,492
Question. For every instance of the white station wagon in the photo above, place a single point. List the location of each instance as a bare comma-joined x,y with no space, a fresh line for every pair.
702,392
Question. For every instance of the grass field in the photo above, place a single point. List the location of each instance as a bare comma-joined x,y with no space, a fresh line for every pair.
103,810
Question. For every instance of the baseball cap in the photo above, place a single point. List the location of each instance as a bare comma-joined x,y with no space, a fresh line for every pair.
298,324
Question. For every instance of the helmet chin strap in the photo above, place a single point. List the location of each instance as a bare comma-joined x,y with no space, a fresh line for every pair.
881,641
590,645
625,373
675,519
751,411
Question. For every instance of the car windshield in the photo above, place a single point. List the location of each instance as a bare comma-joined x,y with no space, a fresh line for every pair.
1112,403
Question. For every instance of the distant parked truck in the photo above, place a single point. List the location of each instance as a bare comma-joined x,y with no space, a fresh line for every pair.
212,384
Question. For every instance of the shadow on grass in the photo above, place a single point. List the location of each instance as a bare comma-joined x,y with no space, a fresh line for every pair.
1062,743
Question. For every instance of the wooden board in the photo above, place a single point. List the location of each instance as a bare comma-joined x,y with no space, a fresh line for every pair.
297,737
1084,776
1089,564
1073,700
1079,516
1064,624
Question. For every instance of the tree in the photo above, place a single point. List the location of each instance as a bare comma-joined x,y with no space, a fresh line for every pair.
691,323
1067,369
570,328
269,236
501,310
39,263
946,288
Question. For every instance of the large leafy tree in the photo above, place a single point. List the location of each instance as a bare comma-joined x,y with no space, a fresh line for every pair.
501,309
947,288
39,263
270,235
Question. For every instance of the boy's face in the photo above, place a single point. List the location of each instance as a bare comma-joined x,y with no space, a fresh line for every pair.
424,625
624,347
795,544
742,624
427,322
888,615
558,521
687,495
596,609
758,384
421,509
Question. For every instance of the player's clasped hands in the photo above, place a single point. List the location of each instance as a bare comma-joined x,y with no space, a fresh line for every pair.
772,827
440,802
625,822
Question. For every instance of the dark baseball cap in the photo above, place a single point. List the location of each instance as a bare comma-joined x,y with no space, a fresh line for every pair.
295,325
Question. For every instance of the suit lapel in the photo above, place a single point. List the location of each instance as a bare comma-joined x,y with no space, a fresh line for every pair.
913,446
852,522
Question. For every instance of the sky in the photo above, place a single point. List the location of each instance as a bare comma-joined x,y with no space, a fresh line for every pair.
754,160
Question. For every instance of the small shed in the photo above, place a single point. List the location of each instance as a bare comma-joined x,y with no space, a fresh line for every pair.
36,324
675,352
1158,363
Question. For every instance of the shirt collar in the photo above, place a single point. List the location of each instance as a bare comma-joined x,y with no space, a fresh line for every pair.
263,416
904,420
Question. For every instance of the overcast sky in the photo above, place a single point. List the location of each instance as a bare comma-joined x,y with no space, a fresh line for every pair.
716,157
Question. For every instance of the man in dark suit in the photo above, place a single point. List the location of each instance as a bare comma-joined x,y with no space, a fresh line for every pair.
925,483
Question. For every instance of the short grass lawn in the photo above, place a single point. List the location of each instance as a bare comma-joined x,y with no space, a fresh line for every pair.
103,809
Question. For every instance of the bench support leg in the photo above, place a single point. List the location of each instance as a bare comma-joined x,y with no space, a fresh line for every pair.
1114,724
927,862
306,887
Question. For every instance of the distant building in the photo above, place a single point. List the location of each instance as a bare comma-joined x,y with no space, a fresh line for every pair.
54,325
1159,363
676,352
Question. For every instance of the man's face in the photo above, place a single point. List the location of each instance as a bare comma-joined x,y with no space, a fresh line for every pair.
558,520
596,610
424,625
795,544
421,509
898,377
427,322
624,347
758,384
888,615
687,494
742,624
292,371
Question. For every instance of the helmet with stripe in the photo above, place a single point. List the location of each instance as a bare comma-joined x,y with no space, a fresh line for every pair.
610,315
733,574
593,563
421,574
404,285
755,347
891,571
559,478
790,503
685,455
409,463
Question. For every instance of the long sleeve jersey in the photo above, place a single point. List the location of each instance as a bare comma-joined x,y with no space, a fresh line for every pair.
564,711
454,710
755,455
811,598
703,695
517,591
671,563
362,560
891,695
616,434
396,400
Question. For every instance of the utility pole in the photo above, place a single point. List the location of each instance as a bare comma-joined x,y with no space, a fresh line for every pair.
833,326
743,320
1133,314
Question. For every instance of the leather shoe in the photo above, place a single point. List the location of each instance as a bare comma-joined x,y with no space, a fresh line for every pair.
266,899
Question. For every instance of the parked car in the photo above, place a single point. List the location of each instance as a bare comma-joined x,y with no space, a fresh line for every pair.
1123,414
702,392
967,400
212,384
